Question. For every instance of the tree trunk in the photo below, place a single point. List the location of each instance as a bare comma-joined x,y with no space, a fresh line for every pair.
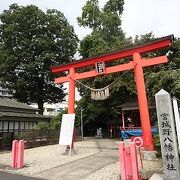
40,100
40,105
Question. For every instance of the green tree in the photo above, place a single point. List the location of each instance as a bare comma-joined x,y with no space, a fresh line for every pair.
107,35
167,76
30,42
91,15
143,38
56,121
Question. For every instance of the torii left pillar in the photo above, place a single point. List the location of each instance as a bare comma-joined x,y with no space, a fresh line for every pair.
71,98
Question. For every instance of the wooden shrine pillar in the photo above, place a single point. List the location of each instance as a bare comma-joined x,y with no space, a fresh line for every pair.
123,120
142,101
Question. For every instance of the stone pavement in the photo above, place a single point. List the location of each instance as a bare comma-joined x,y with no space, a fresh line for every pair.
82,168
8,176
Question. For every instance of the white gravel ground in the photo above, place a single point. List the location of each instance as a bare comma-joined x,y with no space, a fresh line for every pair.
110,172
46,157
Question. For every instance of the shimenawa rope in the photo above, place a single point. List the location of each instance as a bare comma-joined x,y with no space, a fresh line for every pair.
101,93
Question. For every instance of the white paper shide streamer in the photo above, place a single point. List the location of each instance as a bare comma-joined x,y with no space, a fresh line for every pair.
100,94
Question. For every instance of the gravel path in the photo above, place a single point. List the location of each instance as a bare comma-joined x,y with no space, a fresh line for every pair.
39,159
82,168
46,157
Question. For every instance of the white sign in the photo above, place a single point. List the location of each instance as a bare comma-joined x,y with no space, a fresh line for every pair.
67,127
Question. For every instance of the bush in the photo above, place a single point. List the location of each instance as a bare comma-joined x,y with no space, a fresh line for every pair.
42,126
7,138
157,144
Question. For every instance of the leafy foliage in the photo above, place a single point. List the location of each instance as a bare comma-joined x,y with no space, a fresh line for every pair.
90,15
168,80
157,144
30,42
106,36
42,126
56,121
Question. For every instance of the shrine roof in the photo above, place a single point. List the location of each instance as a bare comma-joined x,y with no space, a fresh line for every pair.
11,103
133,105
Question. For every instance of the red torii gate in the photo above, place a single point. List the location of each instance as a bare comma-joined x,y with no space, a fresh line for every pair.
137,64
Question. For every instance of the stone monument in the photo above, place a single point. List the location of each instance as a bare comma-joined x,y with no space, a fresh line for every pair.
167,134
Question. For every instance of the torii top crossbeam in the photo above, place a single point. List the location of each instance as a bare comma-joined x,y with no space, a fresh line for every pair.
137,63
122,53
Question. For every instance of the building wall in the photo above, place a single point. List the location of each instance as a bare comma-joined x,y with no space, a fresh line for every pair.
11,126
53,109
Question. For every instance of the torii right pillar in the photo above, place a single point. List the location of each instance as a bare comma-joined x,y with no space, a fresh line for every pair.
143,103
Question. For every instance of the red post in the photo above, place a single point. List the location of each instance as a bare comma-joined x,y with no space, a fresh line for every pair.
142,100
71,97
20,159
122,161
14,153
134,162
128,163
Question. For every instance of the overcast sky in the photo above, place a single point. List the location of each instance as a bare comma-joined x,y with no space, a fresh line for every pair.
162,17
